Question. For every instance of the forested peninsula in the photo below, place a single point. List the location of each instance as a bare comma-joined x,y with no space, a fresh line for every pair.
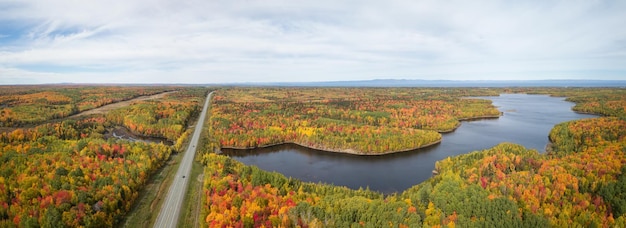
580,183
60,169
344,120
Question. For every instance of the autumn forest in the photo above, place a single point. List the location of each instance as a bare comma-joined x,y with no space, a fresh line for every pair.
63,167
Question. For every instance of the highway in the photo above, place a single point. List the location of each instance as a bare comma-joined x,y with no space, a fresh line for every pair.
170,210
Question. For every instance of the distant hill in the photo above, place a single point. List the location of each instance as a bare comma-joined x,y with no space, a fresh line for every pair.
444,83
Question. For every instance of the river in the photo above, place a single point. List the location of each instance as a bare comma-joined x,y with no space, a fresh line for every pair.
526,120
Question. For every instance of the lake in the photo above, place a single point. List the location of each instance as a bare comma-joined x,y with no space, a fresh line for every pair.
526,120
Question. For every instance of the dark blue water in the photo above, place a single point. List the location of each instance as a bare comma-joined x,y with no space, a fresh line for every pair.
527,120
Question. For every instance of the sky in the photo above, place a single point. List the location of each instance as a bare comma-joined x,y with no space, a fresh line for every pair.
225,41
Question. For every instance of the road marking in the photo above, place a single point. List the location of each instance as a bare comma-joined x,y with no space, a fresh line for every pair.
170,210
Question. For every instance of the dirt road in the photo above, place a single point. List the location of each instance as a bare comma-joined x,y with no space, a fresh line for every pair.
106,108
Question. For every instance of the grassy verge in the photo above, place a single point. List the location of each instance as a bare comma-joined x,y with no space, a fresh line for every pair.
146,209
148,205
192,204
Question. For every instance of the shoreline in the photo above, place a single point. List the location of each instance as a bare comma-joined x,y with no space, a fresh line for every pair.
342,151
470,119
355,152
126,134
590,113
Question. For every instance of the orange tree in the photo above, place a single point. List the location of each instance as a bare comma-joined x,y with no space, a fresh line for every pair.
579,182
22,105
166,118
68,174
353,120
64,174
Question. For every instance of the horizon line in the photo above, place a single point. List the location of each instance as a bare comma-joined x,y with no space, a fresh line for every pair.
338,81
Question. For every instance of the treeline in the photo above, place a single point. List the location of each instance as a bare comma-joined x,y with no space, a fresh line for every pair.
236,195
582,135
22,105
579,183
342,119
602,101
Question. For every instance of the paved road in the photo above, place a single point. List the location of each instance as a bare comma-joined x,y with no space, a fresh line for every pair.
170,210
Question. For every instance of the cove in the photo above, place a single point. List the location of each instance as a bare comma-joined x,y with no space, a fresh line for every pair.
526,120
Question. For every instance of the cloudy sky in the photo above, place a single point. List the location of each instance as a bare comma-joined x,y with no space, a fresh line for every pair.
216,41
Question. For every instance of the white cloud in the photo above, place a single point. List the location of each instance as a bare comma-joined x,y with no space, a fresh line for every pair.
279,40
